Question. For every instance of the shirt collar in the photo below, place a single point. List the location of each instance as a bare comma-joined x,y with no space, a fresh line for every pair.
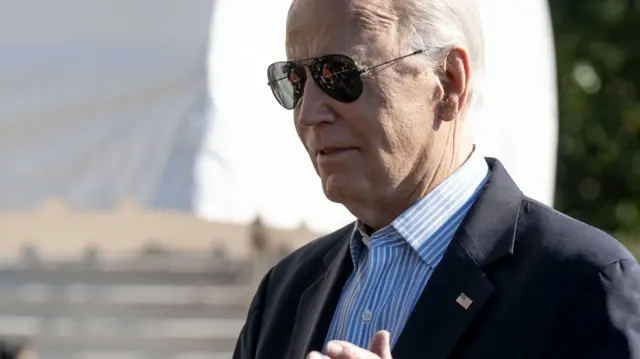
421,222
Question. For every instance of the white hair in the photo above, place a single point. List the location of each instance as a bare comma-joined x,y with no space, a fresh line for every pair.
442,24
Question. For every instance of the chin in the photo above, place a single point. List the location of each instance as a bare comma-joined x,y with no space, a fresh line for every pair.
335,197
340,189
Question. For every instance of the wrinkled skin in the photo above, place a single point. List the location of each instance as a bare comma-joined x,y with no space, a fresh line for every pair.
405,134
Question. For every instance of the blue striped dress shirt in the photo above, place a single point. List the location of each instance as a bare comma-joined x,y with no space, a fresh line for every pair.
392,267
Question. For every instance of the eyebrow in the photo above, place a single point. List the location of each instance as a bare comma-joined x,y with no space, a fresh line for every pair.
307,59
355,57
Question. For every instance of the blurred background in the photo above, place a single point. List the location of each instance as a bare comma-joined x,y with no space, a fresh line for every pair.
148,179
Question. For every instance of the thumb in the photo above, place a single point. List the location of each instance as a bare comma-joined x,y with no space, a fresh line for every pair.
380,345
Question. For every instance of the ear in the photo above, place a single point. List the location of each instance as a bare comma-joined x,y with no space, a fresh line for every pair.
454,80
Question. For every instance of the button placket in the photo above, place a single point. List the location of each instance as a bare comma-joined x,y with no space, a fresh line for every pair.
367,315
376,265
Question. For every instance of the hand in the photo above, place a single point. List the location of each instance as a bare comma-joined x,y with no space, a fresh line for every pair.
380,348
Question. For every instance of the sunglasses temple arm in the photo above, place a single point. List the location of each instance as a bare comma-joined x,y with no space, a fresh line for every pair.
393,60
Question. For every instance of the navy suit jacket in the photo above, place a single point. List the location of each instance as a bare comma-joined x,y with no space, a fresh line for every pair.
542,285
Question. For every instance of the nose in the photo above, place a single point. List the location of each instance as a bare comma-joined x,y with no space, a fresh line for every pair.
314,108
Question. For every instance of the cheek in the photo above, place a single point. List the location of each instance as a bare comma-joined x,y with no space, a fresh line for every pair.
300,131
410,113
404,137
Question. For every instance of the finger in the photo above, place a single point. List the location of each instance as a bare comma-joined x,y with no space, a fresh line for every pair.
337,349
317,355
380,344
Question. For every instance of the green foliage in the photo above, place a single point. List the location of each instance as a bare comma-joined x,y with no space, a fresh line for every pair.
598,63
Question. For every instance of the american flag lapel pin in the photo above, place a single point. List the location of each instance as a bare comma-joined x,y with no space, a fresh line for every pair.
464,301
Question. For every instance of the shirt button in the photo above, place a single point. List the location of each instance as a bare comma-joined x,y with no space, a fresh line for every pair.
367,315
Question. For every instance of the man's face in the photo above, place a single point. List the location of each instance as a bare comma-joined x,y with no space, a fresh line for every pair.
385,135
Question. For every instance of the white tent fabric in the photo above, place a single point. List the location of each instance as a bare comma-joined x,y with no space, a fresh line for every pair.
267,172
101,100
518,122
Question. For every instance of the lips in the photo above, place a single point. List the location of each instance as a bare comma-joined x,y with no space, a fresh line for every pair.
334,155
330,151
333,150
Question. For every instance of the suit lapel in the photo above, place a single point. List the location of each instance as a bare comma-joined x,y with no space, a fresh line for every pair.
459,287
318,301
453,296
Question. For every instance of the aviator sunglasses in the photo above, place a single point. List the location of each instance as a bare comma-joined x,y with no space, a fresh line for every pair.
338,76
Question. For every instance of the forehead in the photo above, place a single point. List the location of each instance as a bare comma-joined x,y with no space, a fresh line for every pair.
318,27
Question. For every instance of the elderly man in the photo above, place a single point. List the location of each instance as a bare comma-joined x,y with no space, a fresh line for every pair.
448,259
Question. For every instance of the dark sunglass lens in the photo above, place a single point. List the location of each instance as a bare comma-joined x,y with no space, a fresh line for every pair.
338,76
286,80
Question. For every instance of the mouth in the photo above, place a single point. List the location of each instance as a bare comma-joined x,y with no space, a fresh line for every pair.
330,152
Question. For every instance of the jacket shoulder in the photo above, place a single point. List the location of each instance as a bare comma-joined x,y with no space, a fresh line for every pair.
568,239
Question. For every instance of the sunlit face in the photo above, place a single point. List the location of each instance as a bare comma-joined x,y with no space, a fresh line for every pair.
368,149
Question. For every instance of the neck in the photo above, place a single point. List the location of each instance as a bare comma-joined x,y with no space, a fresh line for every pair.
425,178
